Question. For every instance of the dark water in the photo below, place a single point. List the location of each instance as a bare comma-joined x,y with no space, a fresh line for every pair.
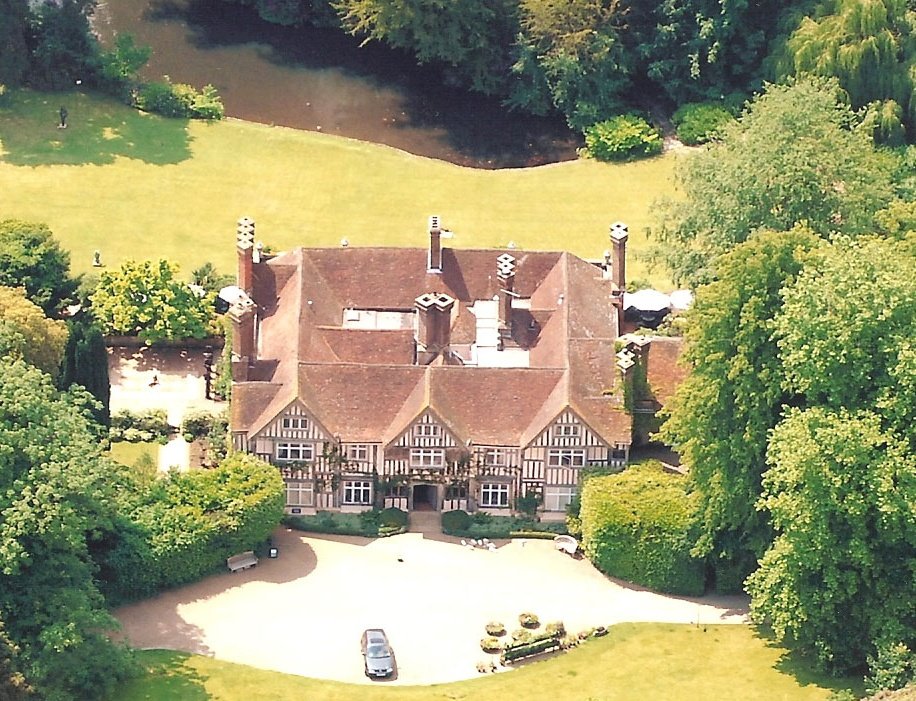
322,80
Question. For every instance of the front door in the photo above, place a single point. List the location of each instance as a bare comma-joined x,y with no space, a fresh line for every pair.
424,497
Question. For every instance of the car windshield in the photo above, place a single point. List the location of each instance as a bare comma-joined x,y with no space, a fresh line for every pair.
377,651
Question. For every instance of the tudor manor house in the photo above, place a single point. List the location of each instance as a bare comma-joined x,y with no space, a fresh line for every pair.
434,377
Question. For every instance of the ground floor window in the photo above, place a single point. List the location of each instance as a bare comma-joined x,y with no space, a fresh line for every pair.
558,498
295,452
396,489
494,494
456,491
300,493
357,492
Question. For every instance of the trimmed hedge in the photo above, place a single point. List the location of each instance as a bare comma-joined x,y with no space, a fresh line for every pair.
532,646
638,525
189,523
483,525
369,524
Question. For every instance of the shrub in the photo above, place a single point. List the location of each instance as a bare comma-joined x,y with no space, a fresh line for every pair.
521,635
699,122
455,522
892,668
528,620
555,628
622,138
638,525
180,100
139,427
491,645
496,629
393,518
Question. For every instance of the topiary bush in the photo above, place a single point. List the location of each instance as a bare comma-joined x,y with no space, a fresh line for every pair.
491,645
528,620
639,525
521,635
699,122
494,628
622,138
555,628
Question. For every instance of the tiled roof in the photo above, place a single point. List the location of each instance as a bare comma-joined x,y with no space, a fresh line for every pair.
363,385
664,372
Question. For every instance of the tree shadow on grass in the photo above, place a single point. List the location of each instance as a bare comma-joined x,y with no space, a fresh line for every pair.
167,675
805,670
99,129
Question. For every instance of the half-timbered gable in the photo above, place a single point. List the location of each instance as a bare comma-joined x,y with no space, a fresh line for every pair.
427,445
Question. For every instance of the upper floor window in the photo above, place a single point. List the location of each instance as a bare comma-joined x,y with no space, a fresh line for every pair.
496,457
427,430
566,431
295,451
425,457
564,457
297,423
358,452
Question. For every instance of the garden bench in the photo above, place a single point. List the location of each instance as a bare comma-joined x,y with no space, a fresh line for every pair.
242,561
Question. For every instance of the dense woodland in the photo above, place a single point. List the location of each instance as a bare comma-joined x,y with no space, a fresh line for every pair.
587,60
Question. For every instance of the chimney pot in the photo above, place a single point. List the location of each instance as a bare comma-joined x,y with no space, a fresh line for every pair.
246,252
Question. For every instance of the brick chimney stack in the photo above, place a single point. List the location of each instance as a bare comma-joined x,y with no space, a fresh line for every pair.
505,273
245,249
434,324
619,234
434,261
243,316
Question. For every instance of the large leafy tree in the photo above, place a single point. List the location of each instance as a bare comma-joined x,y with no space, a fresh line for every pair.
471,36
145,299
869,45
56,495
62,46
840,578
572,53
792,158
29,334
30,257
720,416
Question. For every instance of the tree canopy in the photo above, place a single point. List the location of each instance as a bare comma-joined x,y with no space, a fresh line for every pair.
721,415
56,495
792,158
868,45
31,258
145,299
29,334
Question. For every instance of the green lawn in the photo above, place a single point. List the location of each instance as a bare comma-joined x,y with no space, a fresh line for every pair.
635,662
129,453
136,185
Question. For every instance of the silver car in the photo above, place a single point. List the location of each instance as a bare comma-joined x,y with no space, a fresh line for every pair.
377,656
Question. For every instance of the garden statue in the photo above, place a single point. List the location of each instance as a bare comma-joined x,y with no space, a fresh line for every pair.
63,118
97,259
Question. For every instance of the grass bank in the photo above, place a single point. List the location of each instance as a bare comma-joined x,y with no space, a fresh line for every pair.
633,662
135,185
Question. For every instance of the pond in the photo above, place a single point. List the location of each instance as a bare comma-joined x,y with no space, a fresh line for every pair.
322,80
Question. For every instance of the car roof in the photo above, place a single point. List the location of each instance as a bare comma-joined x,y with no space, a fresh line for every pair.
375,633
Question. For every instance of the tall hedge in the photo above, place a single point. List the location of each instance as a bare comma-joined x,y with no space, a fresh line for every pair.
638,525
188,524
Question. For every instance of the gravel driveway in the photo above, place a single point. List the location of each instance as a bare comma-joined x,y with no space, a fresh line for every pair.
303,612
